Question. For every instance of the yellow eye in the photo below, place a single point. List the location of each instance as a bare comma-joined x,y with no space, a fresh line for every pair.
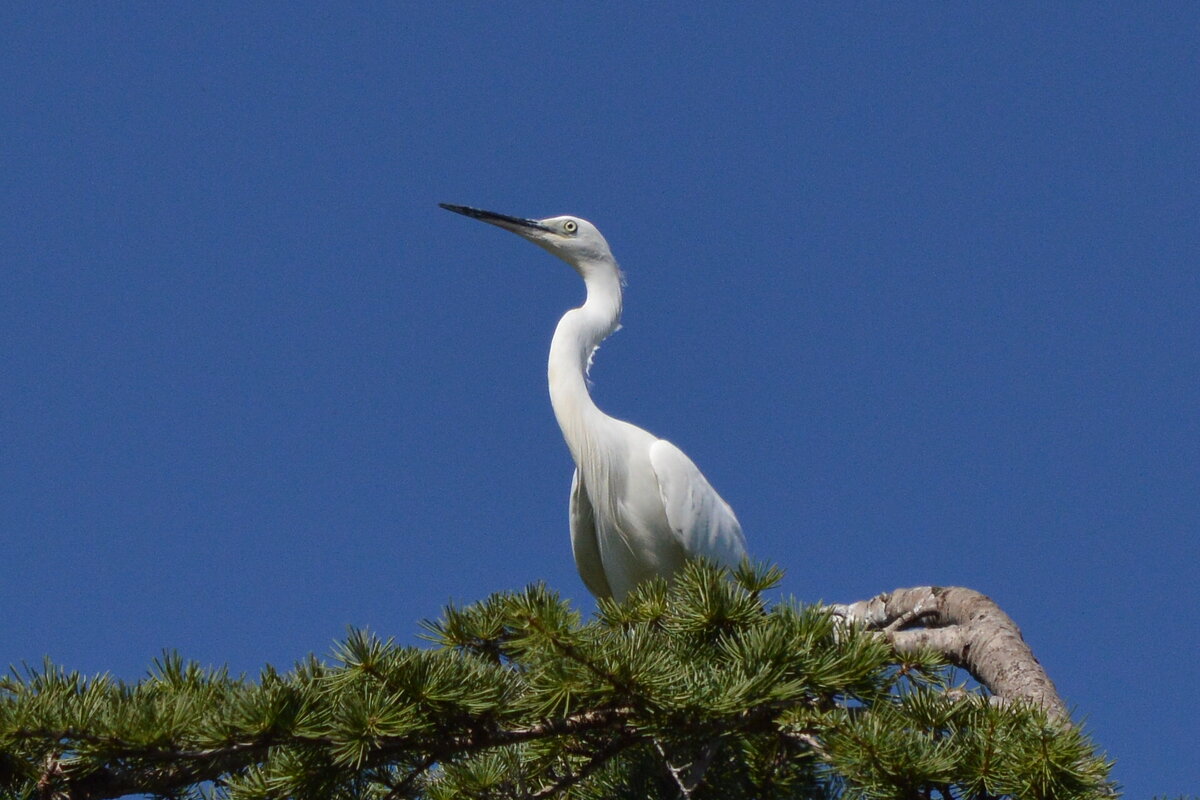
570,226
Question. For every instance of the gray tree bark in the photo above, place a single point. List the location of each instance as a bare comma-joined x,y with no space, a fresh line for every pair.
970,630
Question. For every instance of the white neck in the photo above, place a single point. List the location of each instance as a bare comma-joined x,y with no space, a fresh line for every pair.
578,334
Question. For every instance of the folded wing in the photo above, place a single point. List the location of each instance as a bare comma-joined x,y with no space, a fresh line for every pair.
704,523
584,545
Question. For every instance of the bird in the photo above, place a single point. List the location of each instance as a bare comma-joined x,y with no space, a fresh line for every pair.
639,507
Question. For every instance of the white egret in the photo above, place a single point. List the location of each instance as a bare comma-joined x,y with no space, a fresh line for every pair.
639,506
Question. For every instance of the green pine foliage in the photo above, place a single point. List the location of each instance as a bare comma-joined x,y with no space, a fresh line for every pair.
698,690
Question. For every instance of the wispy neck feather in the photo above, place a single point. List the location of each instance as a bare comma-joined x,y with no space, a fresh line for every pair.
576,338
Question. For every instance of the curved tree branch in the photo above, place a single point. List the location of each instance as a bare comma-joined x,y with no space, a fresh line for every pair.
970,630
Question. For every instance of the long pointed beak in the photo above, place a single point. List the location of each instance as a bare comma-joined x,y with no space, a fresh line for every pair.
514,224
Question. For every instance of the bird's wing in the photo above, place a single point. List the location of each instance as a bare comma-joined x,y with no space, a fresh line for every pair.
704,523
583,540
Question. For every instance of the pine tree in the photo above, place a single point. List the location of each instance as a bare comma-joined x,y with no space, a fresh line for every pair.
698,689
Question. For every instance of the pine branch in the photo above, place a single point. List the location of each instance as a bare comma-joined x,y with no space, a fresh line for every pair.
602,757
401,789
524,699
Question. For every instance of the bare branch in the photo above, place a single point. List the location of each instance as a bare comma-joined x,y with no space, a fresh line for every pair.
970,630
688,776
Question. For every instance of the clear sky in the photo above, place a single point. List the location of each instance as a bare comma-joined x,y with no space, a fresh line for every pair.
915,286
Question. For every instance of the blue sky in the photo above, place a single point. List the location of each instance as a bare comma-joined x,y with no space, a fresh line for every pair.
916,287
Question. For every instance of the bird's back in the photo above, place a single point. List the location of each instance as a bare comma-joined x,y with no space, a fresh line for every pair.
640,508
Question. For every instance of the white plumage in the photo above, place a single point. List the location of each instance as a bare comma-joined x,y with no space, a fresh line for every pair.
639,506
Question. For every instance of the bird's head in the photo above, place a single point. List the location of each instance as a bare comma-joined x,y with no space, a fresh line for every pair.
572,239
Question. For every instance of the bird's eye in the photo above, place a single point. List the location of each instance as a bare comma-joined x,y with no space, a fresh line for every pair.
570,226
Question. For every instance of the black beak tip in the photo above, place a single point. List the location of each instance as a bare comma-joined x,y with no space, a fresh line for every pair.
503,220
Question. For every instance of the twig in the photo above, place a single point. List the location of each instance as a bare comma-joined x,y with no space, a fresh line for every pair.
400,789
572,652
687,783
596,762
51,770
